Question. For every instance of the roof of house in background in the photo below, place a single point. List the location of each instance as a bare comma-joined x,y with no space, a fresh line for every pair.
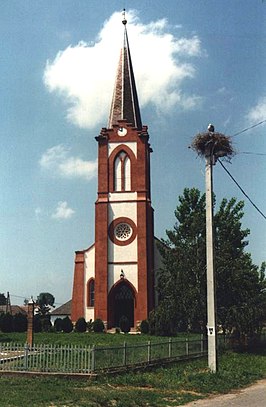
15,309
64,309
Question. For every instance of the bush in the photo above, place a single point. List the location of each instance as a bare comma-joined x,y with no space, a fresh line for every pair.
6,323
81,325
124,324
144,327
67,325
46,324
20,323
98,325
58,325
37,325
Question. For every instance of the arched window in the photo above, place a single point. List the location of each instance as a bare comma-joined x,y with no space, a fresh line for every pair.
122,172
90,293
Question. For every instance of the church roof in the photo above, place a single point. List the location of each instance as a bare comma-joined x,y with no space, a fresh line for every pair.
125,105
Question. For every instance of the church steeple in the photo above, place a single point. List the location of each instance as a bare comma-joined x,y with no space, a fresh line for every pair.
125,103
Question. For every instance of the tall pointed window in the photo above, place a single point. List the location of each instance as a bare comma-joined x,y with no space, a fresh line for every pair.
122,172
90,293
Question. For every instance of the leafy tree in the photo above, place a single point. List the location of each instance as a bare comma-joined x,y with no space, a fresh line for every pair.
182,282
2,299
44,303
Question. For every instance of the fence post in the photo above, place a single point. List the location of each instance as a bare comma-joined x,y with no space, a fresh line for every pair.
125,354
187,347
170,348
201,344
26,354
149,351
93,359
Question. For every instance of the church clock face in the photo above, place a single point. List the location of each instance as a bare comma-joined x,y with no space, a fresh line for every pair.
122,231
122,131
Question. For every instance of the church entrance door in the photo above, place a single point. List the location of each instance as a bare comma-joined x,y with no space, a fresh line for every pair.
122,301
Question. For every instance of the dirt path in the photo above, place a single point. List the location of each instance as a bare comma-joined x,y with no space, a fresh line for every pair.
252,396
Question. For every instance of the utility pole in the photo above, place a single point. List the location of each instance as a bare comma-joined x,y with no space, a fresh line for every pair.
211,145
211,306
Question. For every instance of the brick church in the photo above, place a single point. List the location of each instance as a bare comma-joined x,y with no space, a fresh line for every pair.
115,276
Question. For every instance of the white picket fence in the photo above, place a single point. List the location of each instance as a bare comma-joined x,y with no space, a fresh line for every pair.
70,359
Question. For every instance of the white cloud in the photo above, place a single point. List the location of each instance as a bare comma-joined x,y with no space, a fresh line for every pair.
63,211
83,75
58,161
258,112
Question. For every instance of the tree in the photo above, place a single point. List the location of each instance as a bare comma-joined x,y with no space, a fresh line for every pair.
44,303
2,299
182,282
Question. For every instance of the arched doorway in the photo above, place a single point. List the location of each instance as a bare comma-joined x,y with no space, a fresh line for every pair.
121,303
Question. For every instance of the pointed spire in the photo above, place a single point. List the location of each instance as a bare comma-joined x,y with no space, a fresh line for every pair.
125,103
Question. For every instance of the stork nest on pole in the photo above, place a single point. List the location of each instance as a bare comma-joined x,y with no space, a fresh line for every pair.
213,143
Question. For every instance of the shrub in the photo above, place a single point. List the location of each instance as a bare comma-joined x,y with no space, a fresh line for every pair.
67,325
98,325
124,324
58,325
6,323
81,325
144,327
20,323
46,324
37,324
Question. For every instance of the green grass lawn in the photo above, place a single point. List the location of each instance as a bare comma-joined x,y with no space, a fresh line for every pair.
87,338
165,386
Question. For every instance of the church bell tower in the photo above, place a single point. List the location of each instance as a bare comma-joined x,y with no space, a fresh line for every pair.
116,274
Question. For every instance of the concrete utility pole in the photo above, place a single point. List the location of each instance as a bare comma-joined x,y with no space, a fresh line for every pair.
211,145
211,306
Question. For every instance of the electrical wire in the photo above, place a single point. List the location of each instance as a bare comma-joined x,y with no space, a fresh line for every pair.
248,128
241,189
248,152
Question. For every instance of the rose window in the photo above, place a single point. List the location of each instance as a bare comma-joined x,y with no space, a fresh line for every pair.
123,231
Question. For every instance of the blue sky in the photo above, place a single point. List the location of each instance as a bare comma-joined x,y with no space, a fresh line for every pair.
196,62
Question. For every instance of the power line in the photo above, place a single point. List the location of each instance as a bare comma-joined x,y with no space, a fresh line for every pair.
241,189
248,128
248,152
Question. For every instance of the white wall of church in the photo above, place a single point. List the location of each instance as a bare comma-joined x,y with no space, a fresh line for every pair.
130,144
124,209
89,273
122,253
130,273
